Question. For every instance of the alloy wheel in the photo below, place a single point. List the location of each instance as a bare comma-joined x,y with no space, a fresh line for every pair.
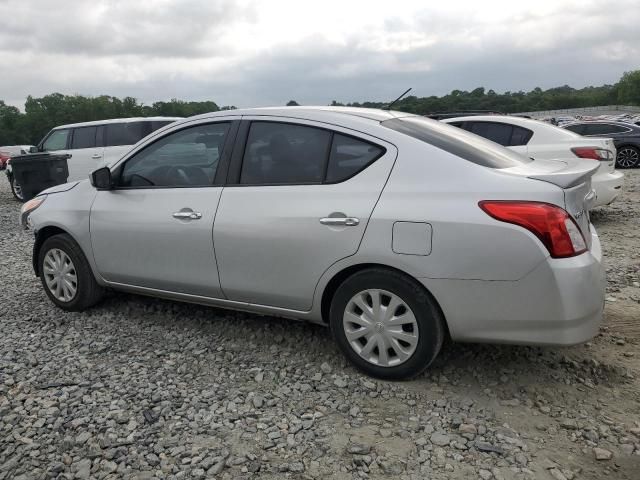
60,275
380,327
628,157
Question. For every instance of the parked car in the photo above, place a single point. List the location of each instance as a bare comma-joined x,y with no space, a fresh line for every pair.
626,138
540,140
9,151
94,144
393,229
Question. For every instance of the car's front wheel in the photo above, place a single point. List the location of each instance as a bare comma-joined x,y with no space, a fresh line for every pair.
16,190
386,324
66,275
628,157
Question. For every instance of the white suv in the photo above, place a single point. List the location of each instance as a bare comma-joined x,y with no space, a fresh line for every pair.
93,145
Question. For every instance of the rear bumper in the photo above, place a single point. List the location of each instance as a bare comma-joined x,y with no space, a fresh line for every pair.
560,302
607,186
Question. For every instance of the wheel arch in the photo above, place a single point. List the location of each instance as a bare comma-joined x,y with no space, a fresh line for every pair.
339,277
41,236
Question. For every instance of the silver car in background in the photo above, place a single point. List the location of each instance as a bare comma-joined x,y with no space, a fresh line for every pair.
393,229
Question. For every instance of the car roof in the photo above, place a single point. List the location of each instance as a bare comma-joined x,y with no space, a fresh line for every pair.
309,112
117,120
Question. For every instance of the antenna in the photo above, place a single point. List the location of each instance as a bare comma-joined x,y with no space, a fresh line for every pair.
388,107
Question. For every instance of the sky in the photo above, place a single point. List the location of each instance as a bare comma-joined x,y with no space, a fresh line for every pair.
258,53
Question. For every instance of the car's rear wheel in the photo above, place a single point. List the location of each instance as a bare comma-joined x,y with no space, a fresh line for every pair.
66,275
16,190
628,157
386,323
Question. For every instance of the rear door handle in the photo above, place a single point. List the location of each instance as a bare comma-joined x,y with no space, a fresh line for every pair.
188,215
96,156
340,221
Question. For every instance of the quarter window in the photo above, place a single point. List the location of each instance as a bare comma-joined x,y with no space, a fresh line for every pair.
56,141
282,153
349,156
184,158
578,128
84,137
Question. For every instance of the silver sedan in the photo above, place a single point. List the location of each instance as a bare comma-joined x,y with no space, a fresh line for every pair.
394,230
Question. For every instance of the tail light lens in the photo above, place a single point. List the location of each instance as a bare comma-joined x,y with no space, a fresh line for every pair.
593,153
551,224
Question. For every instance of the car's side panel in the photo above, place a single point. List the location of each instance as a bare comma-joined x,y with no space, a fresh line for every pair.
270,245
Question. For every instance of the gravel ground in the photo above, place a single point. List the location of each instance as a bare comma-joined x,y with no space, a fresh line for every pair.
144,388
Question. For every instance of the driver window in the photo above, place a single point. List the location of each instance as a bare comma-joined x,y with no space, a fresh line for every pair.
186,158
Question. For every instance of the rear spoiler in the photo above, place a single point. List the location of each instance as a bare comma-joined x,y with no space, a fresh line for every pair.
575,173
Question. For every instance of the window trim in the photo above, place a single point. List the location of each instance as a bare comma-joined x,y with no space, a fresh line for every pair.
223,162
235,169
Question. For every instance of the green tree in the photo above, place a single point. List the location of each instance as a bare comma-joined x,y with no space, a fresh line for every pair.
292,103
629,88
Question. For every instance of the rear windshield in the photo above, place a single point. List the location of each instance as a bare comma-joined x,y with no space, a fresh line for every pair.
458,142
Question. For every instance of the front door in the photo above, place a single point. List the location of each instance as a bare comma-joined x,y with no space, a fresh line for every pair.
302,198
155,228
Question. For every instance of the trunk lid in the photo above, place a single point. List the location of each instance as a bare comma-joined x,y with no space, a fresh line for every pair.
573,176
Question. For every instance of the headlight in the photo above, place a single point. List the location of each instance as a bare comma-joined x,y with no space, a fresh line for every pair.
29,207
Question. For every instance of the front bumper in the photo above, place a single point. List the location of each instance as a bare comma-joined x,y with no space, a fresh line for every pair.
560,302
607,186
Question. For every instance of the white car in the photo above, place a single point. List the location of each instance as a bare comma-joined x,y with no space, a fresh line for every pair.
542,141
97,144
93,145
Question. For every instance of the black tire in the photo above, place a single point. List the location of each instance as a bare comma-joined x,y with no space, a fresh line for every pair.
88,292
16,190
430,321
628,157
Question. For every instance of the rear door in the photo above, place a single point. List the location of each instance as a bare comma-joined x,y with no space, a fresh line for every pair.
298,199
86,155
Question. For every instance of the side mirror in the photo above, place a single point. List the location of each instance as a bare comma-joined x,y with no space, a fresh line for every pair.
33,150
101,179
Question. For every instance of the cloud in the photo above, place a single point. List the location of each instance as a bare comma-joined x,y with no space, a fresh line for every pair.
259,53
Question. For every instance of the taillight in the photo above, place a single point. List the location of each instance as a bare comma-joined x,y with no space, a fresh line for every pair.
551,224
593,153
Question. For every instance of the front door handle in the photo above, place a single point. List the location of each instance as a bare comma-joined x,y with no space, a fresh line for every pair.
187,215
340,221
96,156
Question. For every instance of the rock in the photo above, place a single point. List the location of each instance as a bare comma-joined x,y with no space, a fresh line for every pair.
467,428
602,454
358,449
568,424
440,439
485,474
488,447
557,474
340,383
325,367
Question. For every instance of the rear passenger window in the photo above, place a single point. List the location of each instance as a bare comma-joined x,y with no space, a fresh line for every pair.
128,133
84,137
349,156
282,153
603,129
496,132
579,129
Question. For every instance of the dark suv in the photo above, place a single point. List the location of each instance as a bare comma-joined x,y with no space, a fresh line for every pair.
626,138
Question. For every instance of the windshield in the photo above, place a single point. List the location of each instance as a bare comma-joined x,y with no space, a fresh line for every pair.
457,142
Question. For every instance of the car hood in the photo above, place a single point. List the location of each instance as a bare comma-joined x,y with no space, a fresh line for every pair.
64,187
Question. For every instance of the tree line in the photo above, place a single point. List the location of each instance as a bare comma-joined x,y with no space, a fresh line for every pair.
42,114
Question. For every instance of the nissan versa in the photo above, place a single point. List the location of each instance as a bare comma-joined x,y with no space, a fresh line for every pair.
393,229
